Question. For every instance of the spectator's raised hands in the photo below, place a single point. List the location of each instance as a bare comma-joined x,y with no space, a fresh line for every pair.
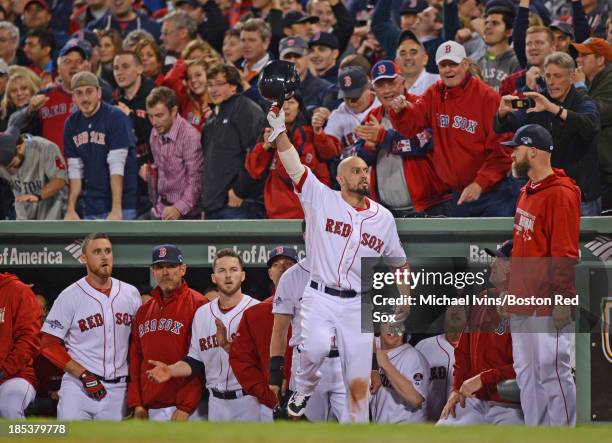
399,103
542,104
37,102
531,77
319,118
369,130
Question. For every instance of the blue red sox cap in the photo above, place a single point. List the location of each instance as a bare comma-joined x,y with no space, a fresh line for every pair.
324,39
384,69
167,254
282,251
534,136
74,44
504,251
352,81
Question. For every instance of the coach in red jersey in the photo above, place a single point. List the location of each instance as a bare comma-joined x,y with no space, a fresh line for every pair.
467,154
546,233
162,332
250,353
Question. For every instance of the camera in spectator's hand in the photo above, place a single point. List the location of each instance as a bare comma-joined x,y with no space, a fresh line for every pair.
523,103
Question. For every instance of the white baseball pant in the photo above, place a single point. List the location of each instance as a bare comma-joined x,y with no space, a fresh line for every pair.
245,408
15,396
74,404
478,412
543,371
322,316
328,400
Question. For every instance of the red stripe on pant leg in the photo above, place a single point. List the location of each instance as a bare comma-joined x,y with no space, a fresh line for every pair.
559,379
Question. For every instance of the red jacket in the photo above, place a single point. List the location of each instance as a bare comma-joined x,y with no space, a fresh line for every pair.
175,80
466,148
19,329
545,241
487,351
279,195
150,342
425,187
250,352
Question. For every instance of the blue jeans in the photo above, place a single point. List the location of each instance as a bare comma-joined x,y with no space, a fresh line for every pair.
248,211
127,214
592,208
500,201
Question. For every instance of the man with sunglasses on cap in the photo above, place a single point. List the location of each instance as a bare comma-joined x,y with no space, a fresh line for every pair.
402,174
544,252
36,171
162,332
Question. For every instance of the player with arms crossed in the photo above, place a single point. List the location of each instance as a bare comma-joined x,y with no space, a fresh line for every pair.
87,334
342,228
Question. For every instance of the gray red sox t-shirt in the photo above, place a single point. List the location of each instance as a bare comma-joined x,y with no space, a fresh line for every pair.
42,162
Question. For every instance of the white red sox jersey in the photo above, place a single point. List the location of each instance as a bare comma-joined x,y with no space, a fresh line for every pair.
338,235
440,356
95,328
342,123
205,347
387,405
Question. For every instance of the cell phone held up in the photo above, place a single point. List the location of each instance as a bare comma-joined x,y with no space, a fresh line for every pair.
523,103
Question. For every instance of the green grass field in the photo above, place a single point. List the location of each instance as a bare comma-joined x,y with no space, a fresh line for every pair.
286,432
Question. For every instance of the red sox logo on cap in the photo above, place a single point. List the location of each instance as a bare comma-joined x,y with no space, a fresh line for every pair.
290,42
447,49
347,81
162,252
381,69
317,36
279,250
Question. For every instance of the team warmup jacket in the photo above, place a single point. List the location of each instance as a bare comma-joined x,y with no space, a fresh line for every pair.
545,241
250,353
162,331
466,148
19,329
279,197
425,187
484,348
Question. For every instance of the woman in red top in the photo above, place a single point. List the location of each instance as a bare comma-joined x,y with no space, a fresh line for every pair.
263,162
188,80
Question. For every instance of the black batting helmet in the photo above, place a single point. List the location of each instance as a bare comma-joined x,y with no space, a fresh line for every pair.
278,81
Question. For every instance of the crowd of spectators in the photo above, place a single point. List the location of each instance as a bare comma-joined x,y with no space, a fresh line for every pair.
141,109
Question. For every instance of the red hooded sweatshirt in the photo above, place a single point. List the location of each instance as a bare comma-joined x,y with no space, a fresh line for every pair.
250,352
466,148
19,329
162,332
545,241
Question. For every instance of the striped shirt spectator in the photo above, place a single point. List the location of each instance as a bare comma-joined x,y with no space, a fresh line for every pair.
178,159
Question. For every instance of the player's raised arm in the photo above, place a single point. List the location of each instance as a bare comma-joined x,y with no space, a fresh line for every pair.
286,151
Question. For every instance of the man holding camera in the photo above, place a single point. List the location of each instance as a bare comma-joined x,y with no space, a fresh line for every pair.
571,117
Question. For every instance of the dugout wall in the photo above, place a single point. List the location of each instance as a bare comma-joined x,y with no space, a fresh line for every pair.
47,252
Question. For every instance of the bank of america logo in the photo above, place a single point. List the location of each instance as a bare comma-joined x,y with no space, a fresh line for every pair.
74,248
601,247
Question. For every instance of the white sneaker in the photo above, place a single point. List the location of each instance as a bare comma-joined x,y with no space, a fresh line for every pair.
296,407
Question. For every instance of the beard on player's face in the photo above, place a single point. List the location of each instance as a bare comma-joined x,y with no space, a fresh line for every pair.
102,270
229,288
520,168
361,188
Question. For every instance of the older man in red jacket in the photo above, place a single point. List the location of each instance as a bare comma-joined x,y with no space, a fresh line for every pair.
162,332
467,154
19,344
250,353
